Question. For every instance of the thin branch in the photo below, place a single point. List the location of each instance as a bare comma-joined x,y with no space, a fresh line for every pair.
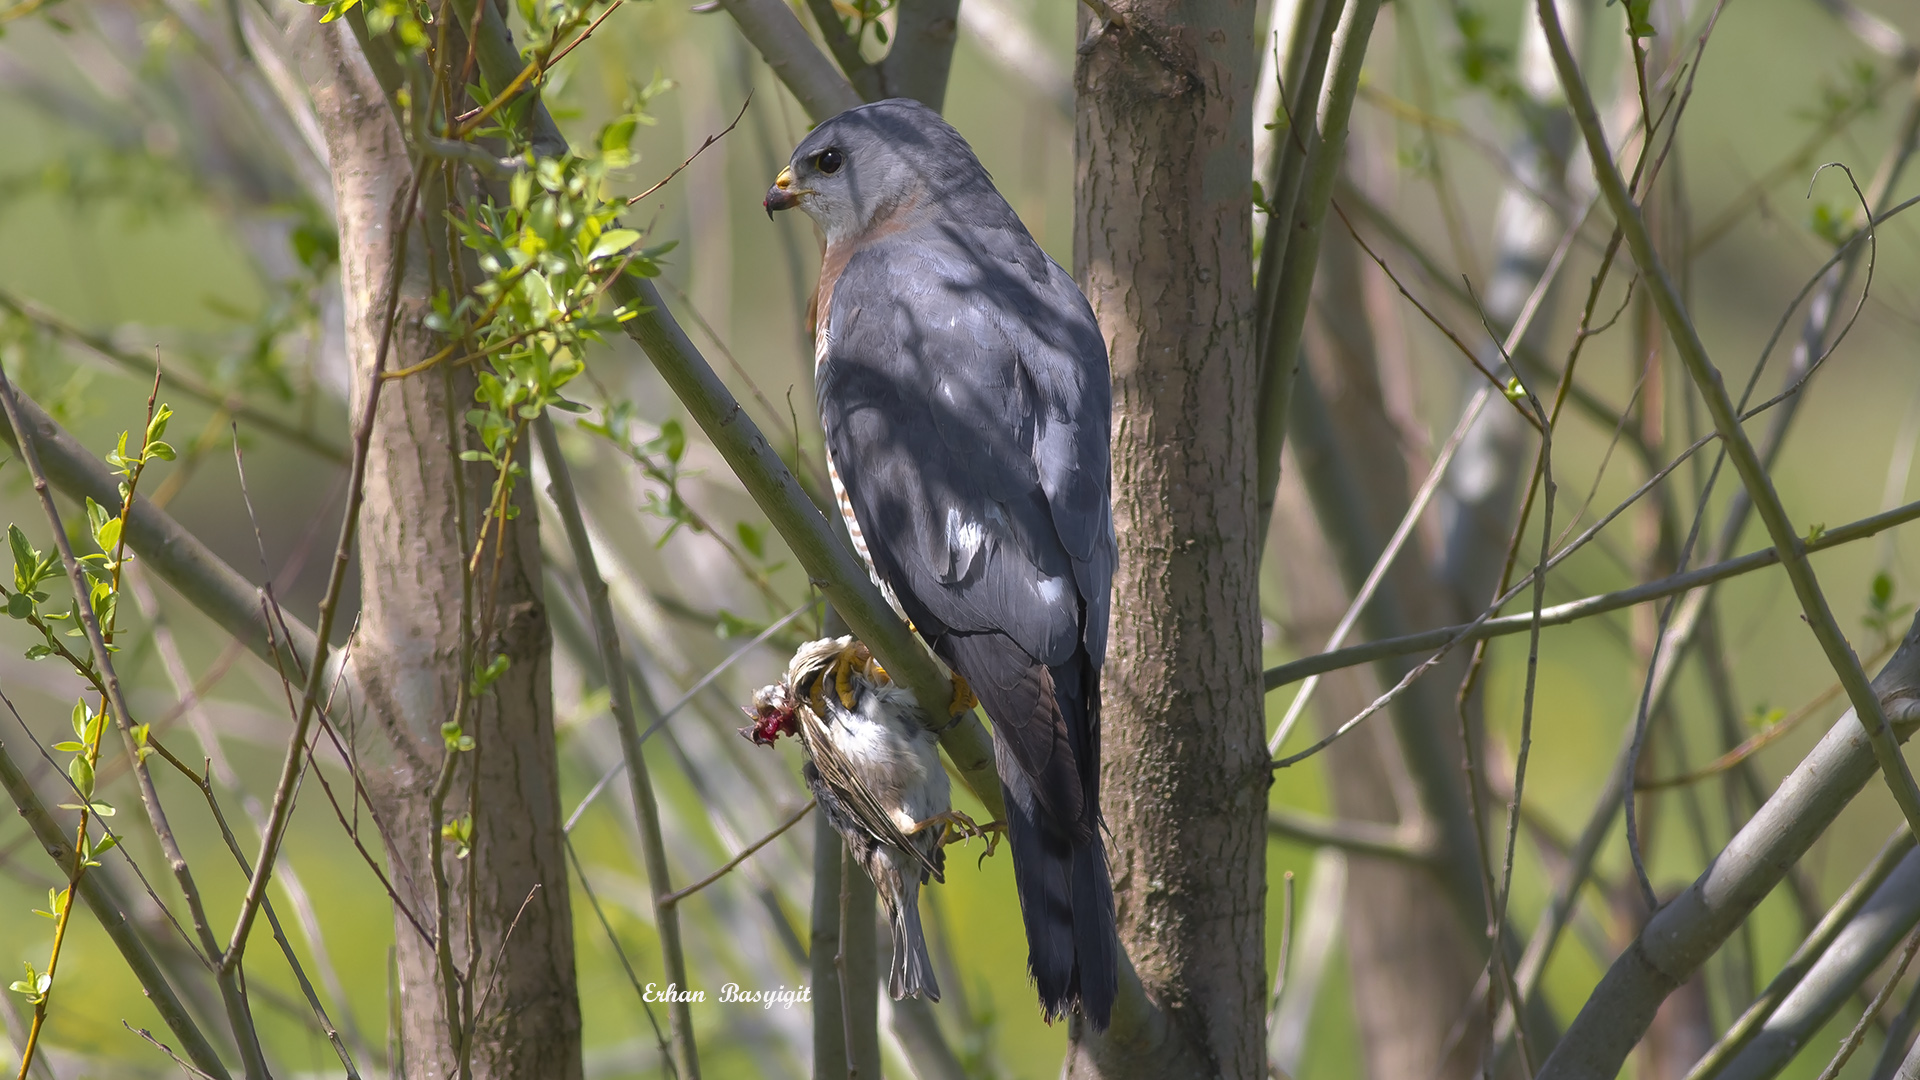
1818,944
103,347
1859,1032
1746,462
593,900
1286,278
773,29
1405,842
710,140
237,1011
1575,610
1692,926
745,853
53,839
613,668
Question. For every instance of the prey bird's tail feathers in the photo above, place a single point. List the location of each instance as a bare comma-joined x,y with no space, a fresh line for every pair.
912,970
1046,722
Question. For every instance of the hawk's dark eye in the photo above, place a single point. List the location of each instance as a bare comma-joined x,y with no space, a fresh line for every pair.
828,161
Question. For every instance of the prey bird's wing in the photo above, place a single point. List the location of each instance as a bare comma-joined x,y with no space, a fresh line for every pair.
839,773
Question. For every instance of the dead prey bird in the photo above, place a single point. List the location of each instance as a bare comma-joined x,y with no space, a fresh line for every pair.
875,770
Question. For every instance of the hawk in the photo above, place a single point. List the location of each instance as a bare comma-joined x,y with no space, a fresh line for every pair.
965,395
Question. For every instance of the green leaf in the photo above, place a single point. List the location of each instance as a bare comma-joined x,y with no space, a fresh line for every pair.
25,558
19,605
612,242
69,747
101,809
82,775
751,539
1881,593
490,674
157,427
161,450
674,438
106,844
78,718
108,535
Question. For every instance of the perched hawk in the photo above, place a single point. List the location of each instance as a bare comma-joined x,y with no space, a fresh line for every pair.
964,391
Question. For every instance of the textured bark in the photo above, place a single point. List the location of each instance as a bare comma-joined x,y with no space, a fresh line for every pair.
1162,248
407,667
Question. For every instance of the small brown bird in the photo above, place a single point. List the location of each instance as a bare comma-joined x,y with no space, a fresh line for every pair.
875,769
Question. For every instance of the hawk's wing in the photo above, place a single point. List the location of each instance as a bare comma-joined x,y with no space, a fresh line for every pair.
965,399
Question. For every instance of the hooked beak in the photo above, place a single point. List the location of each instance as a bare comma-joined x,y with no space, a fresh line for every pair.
783,195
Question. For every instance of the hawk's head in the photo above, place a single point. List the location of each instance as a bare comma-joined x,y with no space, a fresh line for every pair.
860,169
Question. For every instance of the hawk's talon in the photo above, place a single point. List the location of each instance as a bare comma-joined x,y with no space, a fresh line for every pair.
854,655
963,700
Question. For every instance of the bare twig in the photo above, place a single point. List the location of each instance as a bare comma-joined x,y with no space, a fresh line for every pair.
1407,843
613,668
710,140
1575,610
1720,407
792,819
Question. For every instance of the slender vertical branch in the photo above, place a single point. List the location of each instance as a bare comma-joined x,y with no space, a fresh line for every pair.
231,993
829,1028
153,982
614,670
1706,377
1286,315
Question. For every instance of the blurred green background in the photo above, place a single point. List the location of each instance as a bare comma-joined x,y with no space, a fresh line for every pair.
118,217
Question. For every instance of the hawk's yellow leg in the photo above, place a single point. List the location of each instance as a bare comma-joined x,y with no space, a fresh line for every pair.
856,656
963,699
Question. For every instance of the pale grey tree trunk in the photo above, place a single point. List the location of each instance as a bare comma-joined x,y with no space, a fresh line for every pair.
423,507
1162,248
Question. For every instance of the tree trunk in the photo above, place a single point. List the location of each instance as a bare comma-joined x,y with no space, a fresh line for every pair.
1162,248
422,509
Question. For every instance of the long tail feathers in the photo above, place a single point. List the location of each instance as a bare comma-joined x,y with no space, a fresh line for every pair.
1046,733
912,971
1066,902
